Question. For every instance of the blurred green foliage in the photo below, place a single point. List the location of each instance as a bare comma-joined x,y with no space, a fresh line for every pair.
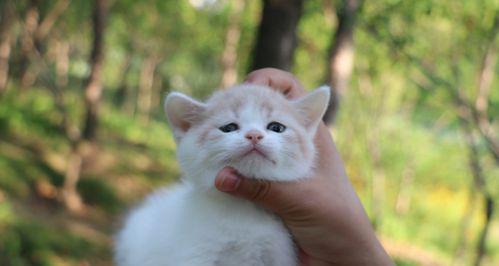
397,131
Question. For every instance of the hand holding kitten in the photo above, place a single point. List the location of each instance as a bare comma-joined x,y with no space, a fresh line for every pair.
323,213
270,139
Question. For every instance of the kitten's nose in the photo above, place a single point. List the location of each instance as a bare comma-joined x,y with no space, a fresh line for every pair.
254,136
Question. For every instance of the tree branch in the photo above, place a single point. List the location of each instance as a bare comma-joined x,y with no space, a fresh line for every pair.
48,22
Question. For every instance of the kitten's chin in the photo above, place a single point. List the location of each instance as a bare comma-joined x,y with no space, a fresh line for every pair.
260,168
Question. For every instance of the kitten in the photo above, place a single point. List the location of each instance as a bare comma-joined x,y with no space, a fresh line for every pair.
251,128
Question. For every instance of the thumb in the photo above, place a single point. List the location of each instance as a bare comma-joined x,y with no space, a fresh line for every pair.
266,193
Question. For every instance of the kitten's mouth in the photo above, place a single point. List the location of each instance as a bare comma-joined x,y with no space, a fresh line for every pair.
257,152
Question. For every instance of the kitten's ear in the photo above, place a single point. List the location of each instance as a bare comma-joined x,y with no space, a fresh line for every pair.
313,106
182,112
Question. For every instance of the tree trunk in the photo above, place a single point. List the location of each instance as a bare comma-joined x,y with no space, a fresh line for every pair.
93,91
144,99
485,79
70,196
122,90
480,117
62,64
93,87
27,43
49,20
479,180
276,41
157,90
229,56
34,35
59,53
481,247
5,43
341,55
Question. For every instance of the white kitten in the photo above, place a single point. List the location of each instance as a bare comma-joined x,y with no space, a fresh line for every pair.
251,128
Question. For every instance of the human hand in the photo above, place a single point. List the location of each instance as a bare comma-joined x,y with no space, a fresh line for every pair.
323,213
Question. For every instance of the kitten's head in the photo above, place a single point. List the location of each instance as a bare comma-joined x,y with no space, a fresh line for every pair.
252,128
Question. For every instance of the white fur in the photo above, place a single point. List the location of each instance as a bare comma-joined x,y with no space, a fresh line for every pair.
193,223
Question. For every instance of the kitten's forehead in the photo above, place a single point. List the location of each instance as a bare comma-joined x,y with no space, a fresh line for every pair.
238,99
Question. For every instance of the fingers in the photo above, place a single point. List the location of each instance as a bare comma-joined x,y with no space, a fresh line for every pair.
263,192
227,180
277,79
303,258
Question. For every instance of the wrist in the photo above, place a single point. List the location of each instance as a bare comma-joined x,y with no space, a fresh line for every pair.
369,252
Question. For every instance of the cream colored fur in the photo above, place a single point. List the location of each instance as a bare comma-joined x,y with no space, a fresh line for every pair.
194,224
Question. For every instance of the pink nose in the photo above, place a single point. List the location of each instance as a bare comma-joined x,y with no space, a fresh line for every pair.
254,136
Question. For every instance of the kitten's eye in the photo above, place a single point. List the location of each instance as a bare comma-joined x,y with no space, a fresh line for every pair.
229,128
276,127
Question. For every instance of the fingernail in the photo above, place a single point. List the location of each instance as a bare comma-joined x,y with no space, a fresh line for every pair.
230,183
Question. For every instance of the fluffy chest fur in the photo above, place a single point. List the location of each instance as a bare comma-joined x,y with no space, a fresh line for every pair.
256,131
182,227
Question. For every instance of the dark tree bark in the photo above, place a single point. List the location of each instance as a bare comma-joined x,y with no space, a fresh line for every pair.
93,85
276,41
341,56
482,240
7,15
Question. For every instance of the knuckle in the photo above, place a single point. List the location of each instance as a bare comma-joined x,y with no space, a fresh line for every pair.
261,191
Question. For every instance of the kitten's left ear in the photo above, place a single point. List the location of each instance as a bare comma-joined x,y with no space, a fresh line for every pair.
313,106
182,112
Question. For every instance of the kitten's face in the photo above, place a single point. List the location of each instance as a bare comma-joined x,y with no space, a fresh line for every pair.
251,128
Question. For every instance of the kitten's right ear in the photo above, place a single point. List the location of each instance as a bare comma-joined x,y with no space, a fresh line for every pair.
313,105
182,112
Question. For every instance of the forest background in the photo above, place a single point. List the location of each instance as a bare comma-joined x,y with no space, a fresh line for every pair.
83,136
